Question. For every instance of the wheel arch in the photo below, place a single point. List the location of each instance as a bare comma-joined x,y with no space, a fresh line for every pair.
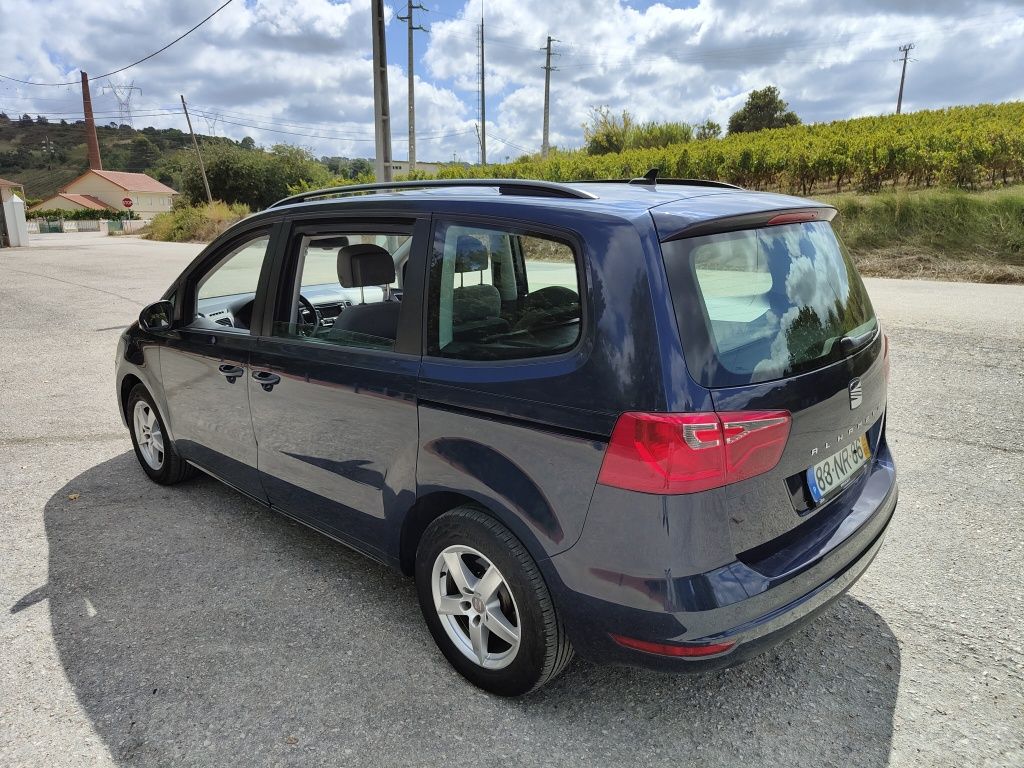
433,504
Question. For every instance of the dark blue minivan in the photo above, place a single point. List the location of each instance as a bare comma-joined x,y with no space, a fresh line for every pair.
641,421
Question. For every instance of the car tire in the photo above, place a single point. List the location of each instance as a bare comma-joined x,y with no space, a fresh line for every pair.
454,577
153,447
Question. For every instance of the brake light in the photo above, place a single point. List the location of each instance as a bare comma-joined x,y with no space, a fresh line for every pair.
673,453
667,649
885,357
795,217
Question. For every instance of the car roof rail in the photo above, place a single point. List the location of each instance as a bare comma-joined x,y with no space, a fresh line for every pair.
651,178
524,187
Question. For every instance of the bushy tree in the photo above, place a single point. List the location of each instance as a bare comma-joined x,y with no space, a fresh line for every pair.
253,177
607,133
709,129
763,109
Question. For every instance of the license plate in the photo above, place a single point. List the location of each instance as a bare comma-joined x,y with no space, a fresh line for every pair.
832,473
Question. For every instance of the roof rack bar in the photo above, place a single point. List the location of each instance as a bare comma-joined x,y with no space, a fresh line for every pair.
526,187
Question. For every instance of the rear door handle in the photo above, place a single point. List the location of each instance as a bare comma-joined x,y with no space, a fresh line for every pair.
266,379
231,372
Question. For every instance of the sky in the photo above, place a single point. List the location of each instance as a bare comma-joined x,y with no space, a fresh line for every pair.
283,71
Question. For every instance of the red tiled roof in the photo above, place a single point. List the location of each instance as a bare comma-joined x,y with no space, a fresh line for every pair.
89,202
86,201
130,182
6,183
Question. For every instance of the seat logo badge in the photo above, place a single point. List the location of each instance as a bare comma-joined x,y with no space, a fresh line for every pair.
856,394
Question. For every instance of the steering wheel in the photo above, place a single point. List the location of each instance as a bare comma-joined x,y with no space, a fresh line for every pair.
309,310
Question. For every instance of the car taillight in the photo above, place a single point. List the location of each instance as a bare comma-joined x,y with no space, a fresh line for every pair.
672,453
673,649
885,356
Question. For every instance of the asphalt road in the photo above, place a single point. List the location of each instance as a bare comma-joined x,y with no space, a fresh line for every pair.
142,625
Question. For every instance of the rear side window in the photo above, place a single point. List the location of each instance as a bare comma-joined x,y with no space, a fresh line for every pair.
763,304
501,294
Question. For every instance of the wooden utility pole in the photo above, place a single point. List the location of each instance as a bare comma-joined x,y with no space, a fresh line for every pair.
547,94
381,105
199,155
905,50
412,89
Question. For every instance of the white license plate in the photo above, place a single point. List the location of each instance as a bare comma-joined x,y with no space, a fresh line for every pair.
832,473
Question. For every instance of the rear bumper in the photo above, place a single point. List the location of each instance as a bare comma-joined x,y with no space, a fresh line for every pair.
732,603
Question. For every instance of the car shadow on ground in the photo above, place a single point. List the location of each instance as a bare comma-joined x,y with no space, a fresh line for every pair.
199,629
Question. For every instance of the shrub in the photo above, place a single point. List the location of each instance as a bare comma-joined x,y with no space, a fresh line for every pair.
195,223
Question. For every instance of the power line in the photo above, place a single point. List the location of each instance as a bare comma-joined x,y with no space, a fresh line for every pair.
134,63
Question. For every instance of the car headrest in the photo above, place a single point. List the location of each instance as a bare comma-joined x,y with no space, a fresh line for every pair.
330,243
470,254
365,264
475,302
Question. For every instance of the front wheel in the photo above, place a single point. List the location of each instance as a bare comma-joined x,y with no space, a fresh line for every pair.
153,448
487,606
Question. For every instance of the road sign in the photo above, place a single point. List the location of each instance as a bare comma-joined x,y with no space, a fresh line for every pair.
127,202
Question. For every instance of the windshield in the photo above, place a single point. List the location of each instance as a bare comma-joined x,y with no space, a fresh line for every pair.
771,302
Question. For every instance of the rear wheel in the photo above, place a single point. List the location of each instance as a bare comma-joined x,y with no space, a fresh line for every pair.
153,448
486,604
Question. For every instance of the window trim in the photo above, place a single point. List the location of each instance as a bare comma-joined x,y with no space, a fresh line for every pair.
217,253
510,226
299,227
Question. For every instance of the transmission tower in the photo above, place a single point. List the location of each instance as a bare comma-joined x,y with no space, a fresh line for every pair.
211,122
123,94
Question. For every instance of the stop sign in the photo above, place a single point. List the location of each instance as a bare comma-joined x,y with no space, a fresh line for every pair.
127,202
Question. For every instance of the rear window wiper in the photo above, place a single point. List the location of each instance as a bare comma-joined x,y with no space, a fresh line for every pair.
851,344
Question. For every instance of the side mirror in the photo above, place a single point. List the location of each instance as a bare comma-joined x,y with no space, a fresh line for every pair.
157,317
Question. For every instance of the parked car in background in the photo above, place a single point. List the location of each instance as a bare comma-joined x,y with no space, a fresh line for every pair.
639,421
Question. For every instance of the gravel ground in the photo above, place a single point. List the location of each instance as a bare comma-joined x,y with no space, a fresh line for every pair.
141,625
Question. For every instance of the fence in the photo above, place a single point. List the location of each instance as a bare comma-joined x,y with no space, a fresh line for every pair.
115,226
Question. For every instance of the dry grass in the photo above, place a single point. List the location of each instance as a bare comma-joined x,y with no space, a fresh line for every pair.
907,262
195,224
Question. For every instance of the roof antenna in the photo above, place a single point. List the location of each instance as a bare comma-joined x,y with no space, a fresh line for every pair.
650,178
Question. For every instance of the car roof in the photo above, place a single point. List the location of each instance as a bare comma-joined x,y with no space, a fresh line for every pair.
673,204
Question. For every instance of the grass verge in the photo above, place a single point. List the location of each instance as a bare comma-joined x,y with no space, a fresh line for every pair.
936,234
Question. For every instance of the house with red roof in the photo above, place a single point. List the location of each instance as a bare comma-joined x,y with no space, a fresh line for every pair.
109,190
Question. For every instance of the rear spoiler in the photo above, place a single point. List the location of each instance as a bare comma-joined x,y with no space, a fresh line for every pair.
753,221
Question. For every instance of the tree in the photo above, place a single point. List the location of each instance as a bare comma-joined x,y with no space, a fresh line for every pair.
606,133
142,154
763,109
247,143
709,129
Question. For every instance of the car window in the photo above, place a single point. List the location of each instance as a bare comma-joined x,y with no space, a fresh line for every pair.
226,292
499,294
776,300
345,289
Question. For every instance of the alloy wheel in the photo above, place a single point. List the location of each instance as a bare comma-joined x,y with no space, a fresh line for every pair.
148,435
477,609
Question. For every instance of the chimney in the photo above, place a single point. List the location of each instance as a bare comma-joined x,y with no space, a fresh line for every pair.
91,142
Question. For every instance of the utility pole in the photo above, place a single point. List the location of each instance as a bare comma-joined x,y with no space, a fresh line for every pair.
202,167
483,95
381,105
547,94
905,50
412,89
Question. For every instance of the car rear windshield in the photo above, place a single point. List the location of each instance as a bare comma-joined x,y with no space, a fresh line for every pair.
763,304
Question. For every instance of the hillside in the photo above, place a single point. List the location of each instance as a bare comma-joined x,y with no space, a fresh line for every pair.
44,155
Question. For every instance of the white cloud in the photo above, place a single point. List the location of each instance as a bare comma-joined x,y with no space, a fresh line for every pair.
304,68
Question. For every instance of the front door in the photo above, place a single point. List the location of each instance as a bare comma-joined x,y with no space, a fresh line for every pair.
335,417
204,364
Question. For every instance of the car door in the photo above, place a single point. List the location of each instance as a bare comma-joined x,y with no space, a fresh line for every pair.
335,418
204,363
